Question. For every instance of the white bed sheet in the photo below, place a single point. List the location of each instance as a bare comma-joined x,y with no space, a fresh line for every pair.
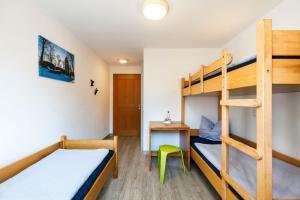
242,168
56,177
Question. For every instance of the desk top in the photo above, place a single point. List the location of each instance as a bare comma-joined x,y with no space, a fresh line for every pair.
174,126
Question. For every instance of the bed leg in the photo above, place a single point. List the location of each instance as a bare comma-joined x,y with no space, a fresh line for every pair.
63,142
116,168
115,171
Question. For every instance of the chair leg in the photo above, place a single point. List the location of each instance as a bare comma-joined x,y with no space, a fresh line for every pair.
183,165
158,159
162,169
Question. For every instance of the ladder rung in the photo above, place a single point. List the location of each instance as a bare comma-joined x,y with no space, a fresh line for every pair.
242,147
241,103
236,186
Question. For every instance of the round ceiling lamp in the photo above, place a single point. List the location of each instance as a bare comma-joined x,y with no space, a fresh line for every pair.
155,9
123,61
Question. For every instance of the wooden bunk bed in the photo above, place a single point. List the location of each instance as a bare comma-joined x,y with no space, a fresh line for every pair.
95,181
276,68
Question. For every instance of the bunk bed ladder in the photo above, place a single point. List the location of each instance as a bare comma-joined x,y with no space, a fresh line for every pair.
263,104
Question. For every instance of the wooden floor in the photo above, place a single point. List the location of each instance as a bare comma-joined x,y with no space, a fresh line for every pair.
136,182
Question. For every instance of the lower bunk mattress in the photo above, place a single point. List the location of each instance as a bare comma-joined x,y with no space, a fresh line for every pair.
242,168
64,174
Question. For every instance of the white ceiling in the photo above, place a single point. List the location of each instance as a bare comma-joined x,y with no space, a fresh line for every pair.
117,29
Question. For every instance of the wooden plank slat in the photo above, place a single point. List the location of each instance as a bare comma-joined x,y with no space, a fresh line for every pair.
213,85
242,147
218,63
286,42
89,144
214,66
276,154
236,186
196,89
195,76
253,103
242,77
286,71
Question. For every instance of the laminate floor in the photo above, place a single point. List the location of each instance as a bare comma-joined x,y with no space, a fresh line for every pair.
136,182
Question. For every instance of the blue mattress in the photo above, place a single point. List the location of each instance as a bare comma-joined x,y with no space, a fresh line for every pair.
85,188
197,139
236,66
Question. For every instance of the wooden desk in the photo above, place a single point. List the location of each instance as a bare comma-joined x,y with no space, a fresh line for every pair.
184,132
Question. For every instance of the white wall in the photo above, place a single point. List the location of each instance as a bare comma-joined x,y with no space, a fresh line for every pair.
286,107
36,111
118,70
162,73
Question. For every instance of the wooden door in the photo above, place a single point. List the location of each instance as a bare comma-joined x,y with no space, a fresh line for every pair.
127,104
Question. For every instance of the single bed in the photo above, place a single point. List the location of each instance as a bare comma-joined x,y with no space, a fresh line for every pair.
286,177
77,170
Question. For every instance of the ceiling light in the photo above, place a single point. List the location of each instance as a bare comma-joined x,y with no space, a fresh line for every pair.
155,9
123,61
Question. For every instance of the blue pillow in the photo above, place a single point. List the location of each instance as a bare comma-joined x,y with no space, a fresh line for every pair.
218,127
209,130
206,124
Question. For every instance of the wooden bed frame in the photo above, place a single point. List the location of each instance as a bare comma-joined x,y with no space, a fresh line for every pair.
285,72
266,76
110,168
214,179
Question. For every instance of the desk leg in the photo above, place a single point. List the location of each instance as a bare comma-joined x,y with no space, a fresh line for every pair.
149,151
185,145
188,149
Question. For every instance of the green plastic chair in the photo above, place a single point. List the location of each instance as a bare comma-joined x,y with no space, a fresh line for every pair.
163,152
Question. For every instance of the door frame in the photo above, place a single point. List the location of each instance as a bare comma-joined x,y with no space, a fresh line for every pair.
113,101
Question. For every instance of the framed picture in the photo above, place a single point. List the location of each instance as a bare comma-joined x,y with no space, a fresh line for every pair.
54,61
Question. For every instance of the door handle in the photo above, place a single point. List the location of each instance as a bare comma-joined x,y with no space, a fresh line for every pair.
139,107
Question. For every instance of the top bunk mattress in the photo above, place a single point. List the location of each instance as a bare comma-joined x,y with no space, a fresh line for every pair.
236,66
64,174
242,169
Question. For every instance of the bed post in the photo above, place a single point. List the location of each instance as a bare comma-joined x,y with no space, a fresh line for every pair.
202,78
264,112
219,107
116,168
63,142
182,101
190,84
225,124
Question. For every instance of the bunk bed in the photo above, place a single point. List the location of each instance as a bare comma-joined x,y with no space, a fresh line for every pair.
69,169
275,68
